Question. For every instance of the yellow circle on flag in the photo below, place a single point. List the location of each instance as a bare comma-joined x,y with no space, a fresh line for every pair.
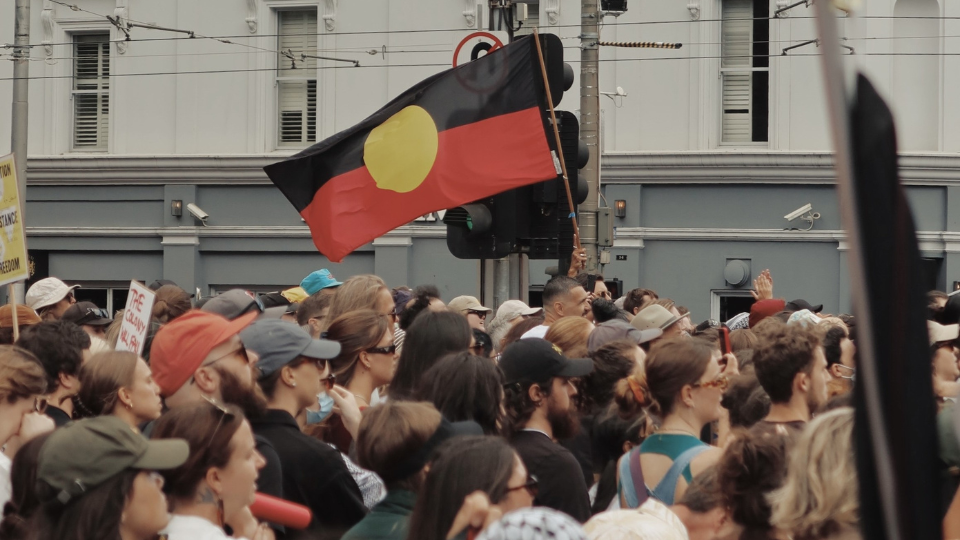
400,152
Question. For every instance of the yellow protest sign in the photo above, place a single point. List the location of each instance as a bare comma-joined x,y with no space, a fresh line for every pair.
13,241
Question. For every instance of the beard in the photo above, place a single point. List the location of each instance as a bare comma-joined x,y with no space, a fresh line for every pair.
565,423
250,399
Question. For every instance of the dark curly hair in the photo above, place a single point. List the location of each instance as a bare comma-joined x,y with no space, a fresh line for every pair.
612,362
831,344
752,466
783,351
519,406
746,400
422,296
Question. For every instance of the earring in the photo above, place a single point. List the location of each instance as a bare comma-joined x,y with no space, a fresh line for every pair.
129,406
220,518
293,384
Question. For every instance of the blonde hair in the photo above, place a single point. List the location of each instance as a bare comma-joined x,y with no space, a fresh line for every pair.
819,497
570,334
21,374
358,292
829,322
101,378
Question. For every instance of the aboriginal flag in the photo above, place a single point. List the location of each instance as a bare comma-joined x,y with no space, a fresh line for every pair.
461,135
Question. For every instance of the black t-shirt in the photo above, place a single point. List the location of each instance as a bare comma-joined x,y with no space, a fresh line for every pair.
314,475
560,479
581,446
59,416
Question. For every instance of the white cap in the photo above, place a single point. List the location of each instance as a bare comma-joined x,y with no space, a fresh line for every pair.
47,292
511,309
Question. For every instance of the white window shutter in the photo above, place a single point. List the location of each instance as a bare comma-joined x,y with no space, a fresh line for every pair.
297,87
91,91
736,36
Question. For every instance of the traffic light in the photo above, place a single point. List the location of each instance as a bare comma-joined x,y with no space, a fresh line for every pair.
533,219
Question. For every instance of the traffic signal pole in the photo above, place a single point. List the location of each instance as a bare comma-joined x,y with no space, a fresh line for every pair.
18,124
590,124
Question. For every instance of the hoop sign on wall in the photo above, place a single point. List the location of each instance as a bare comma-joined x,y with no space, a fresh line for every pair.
477,44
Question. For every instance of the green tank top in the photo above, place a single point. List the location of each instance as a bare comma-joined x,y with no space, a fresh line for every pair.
671,445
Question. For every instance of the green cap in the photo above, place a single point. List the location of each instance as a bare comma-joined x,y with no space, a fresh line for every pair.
84,454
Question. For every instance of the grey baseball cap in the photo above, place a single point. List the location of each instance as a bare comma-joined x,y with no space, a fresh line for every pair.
278,343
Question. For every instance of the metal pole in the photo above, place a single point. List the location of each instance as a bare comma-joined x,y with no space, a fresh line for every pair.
590,124
501,291
18,124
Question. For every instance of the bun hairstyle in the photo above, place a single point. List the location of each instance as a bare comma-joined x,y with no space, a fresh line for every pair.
632,395
171,302
670,366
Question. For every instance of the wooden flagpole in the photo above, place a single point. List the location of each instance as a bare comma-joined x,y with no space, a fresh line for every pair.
556,134
12,299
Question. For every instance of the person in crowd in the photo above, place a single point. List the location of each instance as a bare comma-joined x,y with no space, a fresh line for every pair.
471,308
635,299
312,314
611,437
23,502
396,440
96,478
121,384
464,466
294,369
618,330
562,297
362,292
745,400
319,280
936,300
595,391
701,508
482,344
539,393
509,314
25,317
367,361
792,369
234,304
819,498
571,335
604,310
753,465
424,298
60,347
517,331
685,382
595,285
90,318
50,297
840,353
465,387
743,339
525,523
170,303
23,385
944,351
431,337
652,521
216,485
656,316
762,309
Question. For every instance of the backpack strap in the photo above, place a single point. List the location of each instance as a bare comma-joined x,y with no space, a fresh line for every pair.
666,489
631,488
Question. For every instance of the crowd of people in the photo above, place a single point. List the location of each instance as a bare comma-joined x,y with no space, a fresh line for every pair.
392,415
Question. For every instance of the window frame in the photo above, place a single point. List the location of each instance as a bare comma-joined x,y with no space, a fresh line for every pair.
72,92
279,80
742,70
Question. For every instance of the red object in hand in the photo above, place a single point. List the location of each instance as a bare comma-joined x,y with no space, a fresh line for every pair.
281,512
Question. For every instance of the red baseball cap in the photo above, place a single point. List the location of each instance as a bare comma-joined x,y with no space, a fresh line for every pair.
180,346
761,309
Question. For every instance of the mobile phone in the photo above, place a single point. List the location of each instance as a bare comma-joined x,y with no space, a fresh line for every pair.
725,340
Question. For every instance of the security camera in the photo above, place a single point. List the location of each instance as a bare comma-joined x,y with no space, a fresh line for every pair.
198,213
792,215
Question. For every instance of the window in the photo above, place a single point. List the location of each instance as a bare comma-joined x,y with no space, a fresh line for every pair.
297,77
91,91
744,70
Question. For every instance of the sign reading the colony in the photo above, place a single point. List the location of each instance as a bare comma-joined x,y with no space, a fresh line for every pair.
136,319
13,242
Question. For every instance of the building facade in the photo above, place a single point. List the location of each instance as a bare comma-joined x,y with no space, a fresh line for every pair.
709,146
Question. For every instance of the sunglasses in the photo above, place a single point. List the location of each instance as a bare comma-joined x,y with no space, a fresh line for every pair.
241,351
329,381
720,382
225,415
40,405
531,485
481,314
389,349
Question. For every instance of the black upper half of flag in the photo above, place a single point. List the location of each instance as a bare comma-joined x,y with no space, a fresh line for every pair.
505,81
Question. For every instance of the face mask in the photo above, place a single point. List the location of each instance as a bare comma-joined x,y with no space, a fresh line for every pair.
853,373
326,407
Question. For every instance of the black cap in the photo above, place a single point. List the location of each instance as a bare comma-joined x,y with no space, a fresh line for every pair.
534,359
87,314
160,283
799,304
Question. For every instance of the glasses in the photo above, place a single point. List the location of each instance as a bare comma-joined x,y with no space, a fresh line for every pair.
241,351
224,416
720,382
531,485
329,381
39,405
481,314
389,349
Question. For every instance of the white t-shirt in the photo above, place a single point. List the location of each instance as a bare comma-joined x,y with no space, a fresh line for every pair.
194,528
536,332
6,490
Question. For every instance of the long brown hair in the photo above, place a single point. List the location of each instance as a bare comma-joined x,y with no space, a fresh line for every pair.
673,364
356,331
392,433
570,334
21,374
102,376
358,292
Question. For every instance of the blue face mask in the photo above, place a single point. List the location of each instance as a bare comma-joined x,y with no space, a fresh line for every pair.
326,407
